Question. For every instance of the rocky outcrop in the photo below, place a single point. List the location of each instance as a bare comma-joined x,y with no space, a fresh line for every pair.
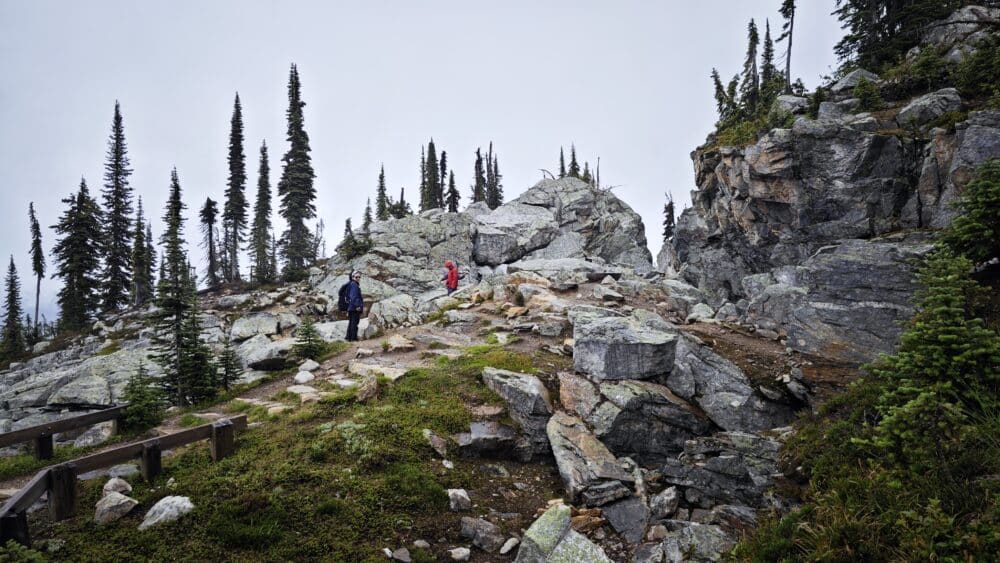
528,404
551,539
635,347
590,473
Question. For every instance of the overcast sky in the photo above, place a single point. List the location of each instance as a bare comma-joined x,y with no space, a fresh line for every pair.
626,80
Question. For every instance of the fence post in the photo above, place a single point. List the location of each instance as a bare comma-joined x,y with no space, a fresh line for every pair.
15,527
151,461
223,441
62,491
45,446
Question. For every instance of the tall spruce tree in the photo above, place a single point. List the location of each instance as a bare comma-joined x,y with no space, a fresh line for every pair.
37,263
439,194
366,220
787,11
453,196
349,243
171,297
432,179
668,218
494,187
230,367
562,164
574,166
381,198
78,233
296,185
750,79
117,198
479,179
767,69
199,374
234,213
209,213
150,291
13,341
261,228
142,282
423,179
880,32
401,208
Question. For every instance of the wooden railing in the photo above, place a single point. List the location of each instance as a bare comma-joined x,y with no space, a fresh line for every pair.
43,435
59,481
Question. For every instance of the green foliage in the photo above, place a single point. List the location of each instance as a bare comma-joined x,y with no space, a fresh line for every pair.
117,234
191,420
817,98
747,132
14,552
76,263
867,93
260,230
979,73
899,465
231,369
924,72
234,214
976,232
295,188
145,402
949,119
308,344
13,340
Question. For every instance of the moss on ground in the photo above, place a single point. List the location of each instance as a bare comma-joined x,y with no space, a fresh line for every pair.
333,481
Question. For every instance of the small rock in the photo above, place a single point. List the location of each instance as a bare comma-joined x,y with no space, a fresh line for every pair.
309,365
664,504
459,554
509,545
484,534
117,485
304,377
113,506
438,443
171,483
421,544
459,500
387,552
656,533
515,312
301,389
364,353
167,509
368,389
401,554
399,343
278,409
447,464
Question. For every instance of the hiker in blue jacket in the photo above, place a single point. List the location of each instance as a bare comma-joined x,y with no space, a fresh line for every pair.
355,306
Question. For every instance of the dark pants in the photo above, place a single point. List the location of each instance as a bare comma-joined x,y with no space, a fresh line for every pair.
353,318
451,290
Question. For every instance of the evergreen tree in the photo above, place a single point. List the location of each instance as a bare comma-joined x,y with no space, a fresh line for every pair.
144,408
117,196
198,373
261,228
234,213
479,179
229,365
574,166
308,344
208,215
37,262
432,181
296,185
494,190
787,11
366,222
318,243
668,218
381,198
400,208
767,69
453,196
274,255
142,282
586,177
172,300
348,244
975,233
78,232
439,195
150,289
423,179
562,164
13,341
750,79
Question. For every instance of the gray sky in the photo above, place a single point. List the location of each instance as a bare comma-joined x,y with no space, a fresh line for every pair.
626,80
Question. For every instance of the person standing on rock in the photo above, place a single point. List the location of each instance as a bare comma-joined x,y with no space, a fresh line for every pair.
355,306
450,277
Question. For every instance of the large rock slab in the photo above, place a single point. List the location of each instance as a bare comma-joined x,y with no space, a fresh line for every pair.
590,472
511,231
528,403
635,347
394,311
255,324
261,353
722,390
550,539
929,107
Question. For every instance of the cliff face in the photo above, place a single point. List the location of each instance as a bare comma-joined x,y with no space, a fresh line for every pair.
811,231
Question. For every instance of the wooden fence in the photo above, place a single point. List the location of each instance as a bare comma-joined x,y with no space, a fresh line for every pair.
43,435
59,481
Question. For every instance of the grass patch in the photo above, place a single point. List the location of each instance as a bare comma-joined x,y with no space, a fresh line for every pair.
111,348
335,484
191,420
27,463
437,345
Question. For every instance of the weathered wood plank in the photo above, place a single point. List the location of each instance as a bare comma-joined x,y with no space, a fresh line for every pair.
62,425
62,491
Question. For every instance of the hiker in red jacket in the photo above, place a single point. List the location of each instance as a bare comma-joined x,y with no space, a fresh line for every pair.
451,277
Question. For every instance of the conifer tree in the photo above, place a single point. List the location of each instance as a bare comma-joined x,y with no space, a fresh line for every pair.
574,166
13,341
117,197
274,256
431,180
479,179
562,164
142,282
750,79
261,228
439,194
296,185
494,189
767,68
347,245
37,262
230,367
381,198
453,196
366,222
78,232
234,214
144,408
308,344
318,243
209,213
787,11
423,179
668,218
975,233
586,177
401,208
151,262
172,299
198,373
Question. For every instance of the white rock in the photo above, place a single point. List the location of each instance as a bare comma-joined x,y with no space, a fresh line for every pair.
301,389
459,500
459,554
309,365
117,485
113,506
509,545
304,377
167,509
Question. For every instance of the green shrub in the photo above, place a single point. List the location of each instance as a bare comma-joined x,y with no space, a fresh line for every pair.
818,97
976,232
145,402
14,552
868,94
308,344
979,73
191,420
